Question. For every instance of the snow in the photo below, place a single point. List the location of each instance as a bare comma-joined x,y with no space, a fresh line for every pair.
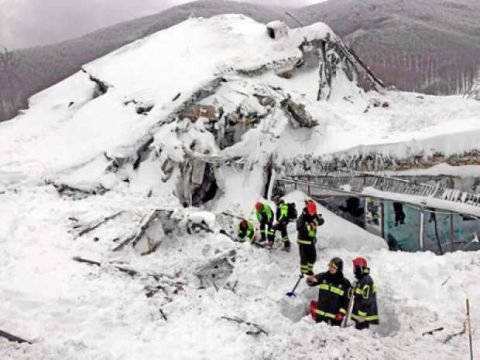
208,44
442,169
76,311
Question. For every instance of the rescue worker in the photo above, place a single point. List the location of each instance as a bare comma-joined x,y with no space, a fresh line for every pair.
246,230
264,215
307,225
283,218
373,212
333,292
364,311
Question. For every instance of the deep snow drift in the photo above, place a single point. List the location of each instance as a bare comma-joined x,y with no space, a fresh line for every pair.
76,311
86,132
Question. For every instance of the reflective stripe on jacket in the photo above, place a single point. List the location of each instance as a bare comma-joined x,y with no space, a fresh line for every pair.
282,212
365,300
332,294
265,215
307,226
248,232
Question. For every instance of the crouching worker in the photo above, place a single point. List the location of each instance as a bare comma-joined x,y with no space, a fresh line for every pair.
365,311
333,291
246,231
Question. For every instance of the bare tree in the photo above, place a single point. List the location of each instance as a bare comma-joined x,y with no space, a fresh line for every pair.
10,97
474,92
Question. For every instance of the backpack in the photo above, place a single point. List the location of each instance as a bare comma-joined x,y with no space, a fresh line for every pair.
292,212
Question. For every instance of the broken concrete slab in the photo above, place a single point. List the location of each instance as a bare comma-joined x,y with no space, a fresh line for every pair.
217,270
297,114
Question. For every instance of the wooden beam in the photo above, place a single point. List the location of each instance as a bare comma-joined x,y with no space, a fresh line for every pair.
13,338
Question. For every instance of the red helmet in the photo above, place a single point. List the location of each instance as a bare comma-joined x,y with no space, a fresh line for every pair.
259,206
360,263
311,207
244,224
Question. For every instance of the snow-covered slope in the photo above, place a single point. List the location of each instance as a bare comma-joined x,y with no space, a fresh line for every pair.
76,311
194,114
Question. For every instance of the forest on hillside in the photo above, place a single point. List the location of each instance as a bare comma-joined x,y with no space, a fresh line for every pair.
411,45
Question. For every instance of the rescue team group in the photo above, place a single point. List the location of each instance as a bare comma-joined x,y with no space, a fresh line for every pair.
335,291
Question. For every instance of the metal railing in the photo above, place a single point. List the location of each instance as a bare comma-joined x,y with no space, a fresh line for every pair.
354,183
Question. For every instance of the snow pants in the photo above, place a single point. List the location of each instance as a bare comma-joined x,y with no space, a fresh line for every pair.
282,227
308,256
362,325
267,231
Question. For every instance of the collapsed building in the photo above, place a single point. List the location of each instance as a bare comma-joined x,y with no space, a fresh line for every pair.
224,109
187,132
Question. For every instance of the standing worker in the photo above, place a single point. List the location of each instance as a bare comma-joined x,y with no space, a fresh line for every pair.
365,311
285,213
264,215
307,225
332,303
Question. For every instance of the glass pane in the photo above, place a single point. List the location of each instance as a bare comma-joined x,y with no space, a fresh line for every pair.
436,231
373,216
465,230
350,208
402,226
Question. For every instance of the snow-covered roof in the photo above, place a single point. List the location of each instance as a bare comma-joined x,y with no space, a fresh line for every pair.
65,127
277,24
210,45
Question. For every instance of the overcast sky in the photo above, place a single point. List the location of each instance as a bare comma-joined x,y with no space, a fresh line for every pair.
25,23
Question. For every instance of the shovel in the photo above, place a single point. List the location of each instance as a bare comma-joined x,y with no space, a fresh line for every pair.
292,293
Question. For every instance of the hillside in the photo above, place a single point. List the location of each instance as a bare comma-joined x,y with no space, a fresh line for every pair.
41,67
426,46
